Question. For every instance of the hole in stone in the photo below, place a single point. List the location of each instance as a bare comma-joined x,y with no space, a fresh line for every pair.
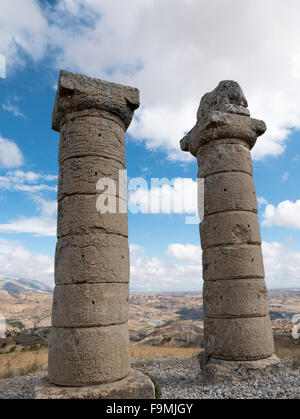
93,302
214,228
219,157
252,260
64,92
248,225
122,257
99,134
96,173
225,189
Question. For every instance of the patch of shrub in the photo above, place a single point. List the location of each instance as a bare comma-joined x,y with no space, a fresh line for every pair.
156,385
16,323
7,374
30,369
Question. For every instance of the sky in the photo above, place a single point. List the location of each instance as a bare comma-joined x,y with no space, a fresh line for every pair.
174,51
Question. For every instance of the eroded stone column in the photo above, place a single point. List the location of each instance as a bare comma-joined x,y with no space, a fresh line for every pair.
237,323
89,341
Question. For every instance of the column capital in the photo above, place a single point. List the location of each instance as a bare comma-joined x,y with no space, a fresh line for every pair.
77,92
223,114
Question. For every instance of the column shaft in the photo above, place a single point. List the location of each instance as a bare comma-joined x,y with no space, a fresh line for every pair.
89,342
237,324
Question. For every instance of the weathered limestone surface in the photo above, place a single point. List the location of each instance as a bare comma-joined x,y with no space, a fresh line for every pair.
133,386
230,191
88,356
89,340
243,338
78,212
90,305
91,263
224,157
80,175
92,136
236,298
230,228
219,370
92,257
237,324
232,262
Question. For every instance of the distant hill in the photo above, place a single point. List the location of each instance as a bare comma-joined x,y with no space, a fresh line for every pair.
24,286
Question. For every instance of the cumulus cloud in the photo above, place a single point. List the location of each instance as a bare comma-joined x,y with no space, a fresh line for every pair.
46,207
37,226
184,252
282,265
151,274
10,154
173,57
262,201
23,31
18,180
178,196
43,225
18,262
187,54
286,214
282,268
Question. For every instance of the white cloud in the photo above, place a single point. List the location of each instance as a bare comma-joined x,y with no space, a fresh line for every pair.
162,128
286,214
189,52
262,201
282,265
174,51
19,175
2,66
185,252
282,268
151,274
13,109
34,188
10,154
27,181
45,223
23,31
47,208
175,196
285,176
37,226
42,225
18,262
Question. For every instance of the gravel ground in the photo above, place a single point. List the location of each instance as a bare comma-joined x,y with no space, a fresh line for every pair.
19,387
181,378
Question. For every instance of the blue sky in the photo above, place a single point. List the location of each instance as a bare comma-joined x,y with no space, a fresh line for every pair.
173,65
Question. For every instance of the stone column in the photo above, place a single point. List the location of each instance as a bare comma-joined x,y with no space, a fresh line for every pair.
89,340
237,325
